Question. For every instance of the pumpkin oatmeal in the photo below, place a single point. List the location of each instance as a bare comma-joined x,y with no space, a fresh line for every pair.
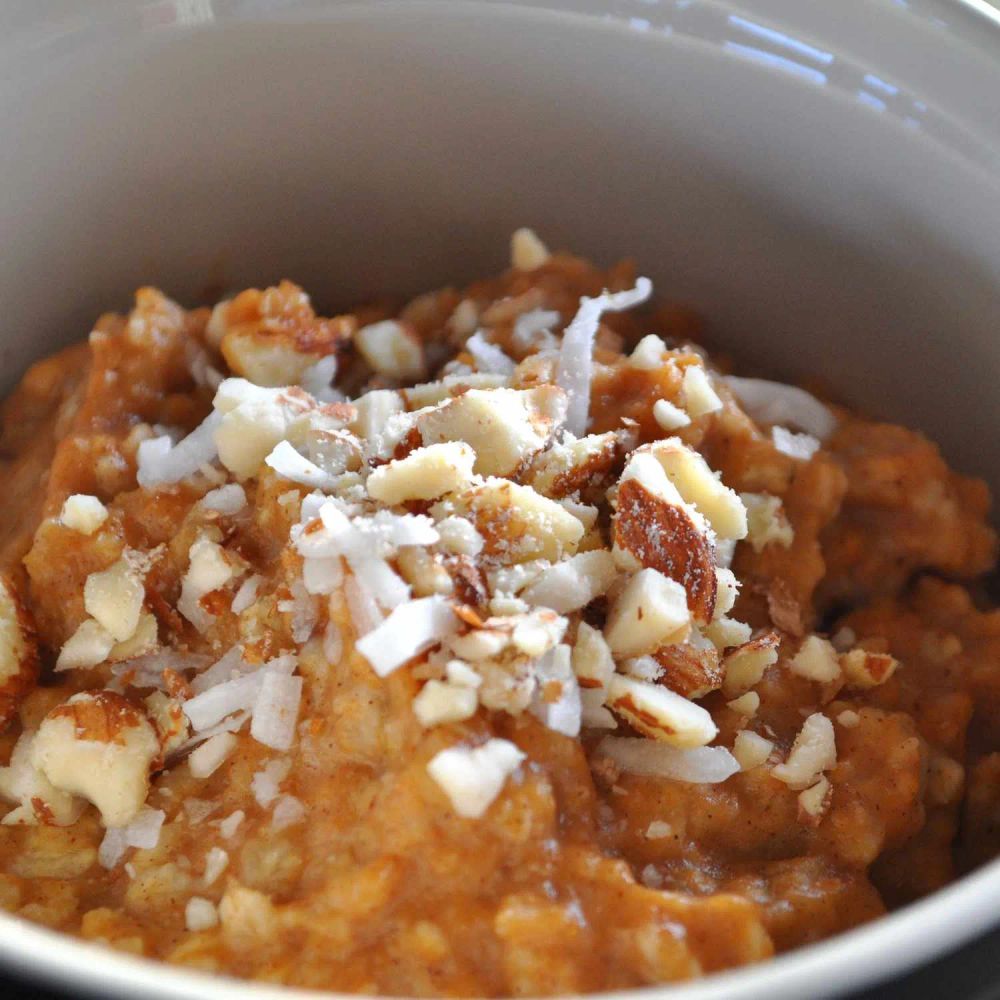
498,644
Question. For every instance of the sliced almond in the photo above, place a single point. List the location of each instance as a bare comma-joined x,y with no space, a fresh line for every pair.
699,485
659,713
816,660
864,670
527,251
651,611
751,749
665,537
689,670
424,474
813,752
766,521
745,665
573,583
516,523
700,397
579,464
504,426
814,803
392,349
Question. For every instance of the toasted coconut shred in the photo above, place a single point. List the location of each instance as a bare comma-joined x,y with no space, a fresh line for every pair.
473,650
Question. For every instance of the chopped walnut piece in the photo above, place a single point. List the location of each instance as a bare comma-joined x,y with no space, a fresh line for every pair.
114,596
38,801
864,669
100,746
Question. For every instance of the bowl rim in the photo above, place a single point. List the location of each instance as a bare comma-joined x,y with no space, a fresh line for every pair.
866,955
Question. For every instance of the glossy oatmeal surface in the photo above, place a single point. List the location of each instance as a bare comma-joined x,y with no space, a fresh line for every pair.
497,644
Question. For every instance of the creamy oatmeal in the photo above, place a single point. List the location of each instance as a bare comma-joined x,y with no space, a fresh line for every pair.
500,644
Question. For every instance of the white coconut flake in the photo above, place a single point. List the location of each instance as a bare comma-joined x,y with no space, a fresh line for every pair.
701,765
801,447
276,711
776,403
266,783
296,468
247,594
364,610
322,576
411,629
317,380
142,832
563,713
229,825
204,761
287,811
532,329
200,914
576,361
161,462
215,703
229,499
488,357
472,777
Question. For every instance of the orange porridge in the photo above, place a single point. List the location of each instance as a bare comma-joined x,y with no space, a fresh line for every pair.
496,645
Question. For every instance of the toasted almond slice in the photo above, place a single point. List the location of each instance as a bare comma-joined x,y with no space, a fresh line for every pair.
424,474
814,803
579,464
813,752
100,746
660,713
651,611
504,426
864,669
699,485
746,705
393,349
669,416
816,660
439,702
766,521
472,778
527,251
751,749
83,513
516,523
592,660
700,397
727,589
745,665
665,537
573,583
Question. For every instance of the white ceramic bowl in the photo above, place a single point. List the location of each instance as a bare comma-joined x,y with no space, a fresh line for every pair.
821,179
